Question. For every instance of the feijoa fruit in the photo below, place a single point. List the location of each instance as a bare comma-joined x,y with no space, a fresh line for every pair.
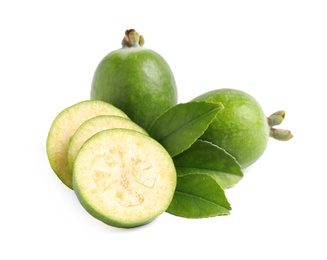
242,128
135,79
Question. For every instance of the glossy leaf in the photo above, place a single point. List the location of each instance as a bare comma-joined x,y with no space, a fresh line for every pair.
208,158
198,196
180,126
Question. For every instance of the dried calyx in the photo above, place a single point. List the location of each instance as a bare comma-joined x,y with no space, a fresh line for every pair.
278,134
132,39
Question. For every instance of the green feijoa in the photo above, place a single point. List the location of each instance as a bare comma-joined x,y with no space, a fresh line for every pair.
135,79
242,128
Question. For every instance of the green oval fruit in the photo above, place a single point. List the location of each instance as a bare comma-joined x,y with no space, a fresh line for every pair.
241,128
135,79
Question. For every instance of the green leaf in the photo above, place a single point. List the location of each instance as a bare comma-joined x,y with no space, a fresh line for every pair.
180,126
208,158
198,196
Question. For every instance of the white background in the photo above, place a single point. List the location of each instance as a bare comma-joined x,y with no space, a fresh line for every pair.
274,50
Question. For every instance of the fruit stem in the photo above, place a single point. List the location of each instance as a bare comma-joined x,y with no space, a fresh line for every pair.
132,39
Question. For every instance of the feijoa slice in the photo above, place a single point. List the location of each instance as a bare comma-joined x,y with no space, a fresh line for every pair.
91,127
242,128
124,178
64,126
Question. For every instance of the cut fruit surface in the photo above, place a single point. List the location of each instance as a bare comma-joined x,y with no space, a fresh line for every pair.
64,126
91,127
124,178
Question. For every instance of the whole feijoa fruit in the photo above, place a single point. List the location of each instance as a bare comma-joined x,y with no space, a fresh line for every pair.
242,128
135,79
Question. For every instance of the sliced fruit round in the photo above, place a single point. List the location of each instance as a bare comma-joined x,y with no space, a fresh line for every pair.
124,178
91,127
64,126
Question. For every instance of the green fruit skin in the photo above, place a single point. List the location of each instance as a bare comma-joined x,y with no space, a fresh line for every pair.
241,128
138,81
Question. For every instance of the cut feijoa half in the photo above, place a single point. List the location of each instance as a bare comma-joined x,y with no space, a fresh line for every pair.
91,127
64,126
124,178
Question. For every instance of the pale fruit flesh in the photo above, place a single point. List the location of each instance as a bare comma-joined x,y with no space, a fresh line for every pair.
124,178
64,126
